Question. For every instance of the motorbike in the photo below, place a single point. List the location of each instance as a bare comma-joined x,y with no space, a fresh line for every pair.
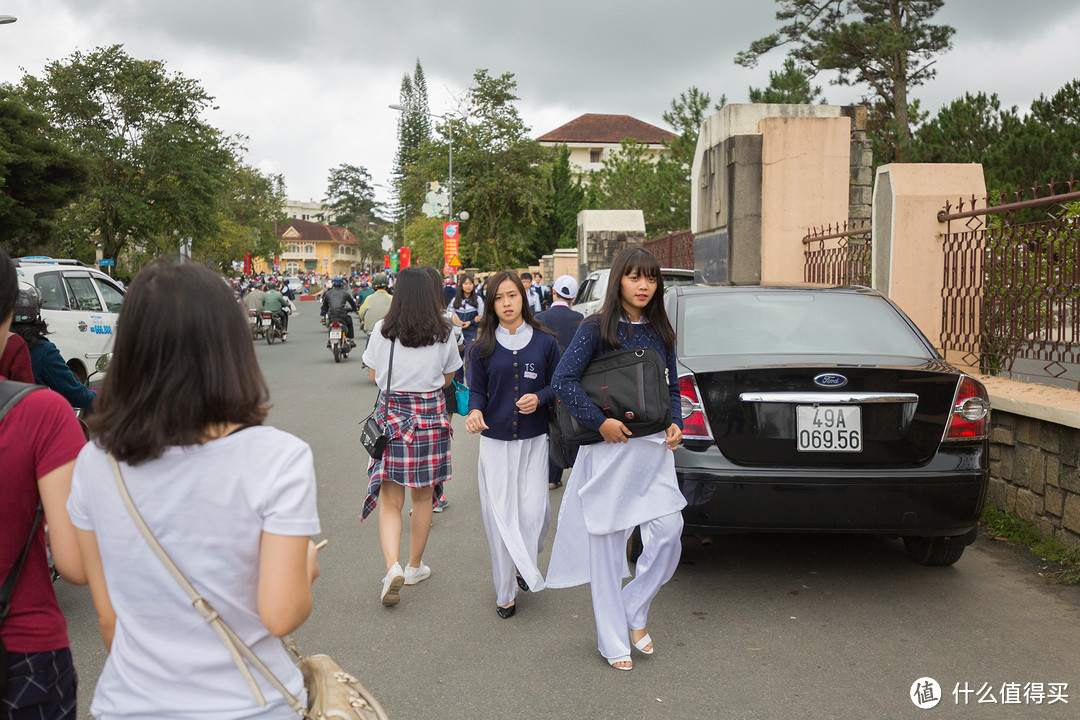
256,324
272,328
339,343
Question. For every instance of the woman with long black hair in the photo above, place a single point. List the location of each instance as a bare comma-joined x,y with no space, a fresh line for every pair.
469,308
626,481
417,455
510,369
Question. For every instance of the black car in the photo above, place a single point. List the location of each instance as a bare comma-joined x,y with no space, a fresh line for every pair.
824,409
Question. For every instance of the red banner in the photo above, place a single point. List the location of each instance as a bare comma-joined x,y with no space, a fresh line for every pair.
386,262
404,257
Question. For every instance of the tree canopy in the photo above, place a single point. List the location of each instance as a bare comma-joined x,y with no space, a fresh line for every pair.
38,175
790,85
156,167
886,46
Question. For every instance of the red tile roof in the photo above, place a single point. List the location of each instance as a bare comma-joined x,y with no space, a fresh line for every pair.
314,232
593,127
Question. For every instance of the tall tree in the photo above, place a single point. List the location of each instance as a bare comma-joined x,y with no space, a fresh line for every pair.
38,176
790,85
887,46
414,129
157,168
500,174
970,129
247,207
350,197
567,200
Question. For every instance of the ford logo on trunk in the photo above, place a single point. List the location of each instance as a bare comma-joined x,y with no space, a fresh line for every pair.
830,380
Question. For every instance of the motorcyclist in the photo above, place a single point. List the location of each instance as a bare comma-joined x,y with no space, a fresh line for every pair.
274,302
336,303
377,305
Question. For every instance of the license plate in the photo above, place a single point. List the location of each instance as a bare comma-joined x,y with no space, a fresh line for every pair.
829,428
335,334
252,320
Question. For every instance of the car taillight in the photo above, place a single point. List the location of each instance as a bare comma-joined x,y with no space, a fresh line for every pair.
695,424
970,417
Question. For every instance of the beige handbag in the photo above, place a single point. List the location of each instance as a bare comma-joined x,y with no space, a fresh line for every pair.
332,692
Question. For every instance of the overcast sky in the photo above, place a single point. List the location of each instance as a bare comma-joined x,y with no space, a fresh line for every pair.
309,81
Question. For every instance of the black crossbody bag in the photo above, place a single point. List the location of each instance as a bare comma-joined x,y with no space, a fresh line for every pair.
11,393
373,435
628,385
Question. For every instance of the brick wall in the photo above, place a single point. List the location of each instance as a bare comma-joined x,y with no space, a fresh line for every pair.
1034,474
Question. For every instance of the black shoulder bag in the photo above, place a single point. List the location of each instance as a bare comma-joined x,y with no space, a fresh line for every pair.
11,393
628,385
373,435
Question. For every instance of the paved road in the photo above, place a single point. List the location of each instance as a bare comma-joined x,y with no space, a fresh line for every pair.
750,626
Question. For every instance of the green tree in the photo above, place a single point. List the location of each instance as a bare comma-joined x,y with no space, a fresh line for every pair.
567,200
500,174
414,129
633,178
248,205
157,168
38,176
790,85
424,236
350,197
887,46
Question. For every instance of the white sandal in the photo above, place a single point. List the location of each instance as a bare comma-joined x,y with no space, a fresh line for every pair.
624,658
642,643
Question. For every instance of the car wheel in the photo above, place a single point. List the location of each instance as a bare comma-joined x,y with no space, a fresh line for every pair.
937,551
634,546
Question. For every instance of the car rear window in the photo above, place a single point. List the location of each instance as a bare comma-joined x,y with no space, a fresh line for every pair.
754,323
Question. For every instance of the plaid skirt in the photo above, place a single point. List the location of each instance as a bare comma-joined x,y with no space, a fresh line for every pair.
417,453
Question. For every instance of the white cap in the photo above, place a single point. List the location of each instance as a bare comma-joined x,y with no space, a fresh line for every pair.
565,286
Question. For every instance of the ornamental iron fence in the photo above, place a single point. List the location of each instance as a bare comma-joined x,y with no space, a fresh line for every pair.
1011,290
674,250
838,254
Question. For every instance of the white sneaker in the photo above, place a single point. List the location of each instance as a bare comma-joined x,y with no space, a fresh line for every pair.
415,575
391,585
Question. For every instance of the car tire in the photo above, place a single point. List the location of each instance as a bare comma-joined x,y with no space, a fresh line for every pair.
937,551
634,547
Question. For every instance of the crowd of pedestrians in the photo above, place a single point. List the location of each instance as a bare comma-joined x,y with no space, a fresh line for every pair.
233,501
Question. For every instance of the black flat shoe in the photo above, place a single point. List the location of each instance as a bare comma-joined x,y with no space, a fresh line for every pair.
522,584
506,612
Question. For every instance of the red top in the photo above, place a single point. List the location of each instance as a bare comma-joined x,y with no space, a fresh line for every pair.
15,360
38,435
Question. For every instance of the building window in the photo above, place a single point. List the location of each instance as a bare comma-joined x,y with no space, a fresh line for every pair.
594,156
309,249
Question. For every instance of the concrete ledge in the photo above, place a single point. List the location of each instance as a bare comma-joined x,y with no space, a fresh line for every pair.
1042,402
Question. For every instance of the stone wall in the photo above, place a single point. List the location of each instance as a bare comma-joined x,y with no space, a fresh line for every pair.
1035,474
861,192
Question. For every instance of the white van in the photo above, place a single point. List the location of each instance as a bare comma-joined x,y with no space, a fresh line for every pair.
79,304
590,297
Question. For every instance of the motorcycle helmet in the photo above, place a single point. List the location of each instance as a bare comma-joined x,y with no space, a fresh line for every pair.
28,304
338,282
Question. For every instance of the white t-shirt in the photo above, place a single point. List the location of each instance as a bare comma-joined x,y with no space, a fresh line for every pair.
207,505
415,369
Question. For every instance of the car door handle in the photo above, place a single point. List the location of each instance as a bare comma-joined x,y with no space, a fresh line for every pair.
82,326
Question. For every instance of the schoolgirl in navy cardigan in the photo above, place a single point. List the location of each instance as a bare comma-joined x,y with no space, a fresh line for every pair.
509,371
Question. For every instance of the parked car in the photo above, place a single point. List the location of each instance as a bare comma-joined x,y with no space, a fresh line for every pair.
824,409
590,297
296,285
80,306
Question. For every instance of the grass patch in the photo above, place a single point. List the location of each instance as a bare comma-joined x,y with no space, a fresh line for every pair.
1023,532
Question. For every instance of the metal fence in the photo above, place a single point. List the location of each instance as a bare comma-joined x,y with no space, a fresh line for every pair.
1011,292
674,250
838,254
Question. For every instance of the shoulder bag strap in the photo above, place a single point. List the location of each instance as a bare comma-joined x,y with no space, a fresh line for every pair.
11,393
389,379
236,647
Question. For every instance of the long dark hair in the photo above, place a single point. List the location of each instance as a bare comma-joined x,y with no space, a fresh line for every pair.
415,316
437,281
631,259
460,297
182,360
489,323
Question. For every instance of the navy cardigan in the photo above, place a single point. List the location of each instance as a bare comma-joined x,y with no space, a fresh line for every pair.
586,345
497,381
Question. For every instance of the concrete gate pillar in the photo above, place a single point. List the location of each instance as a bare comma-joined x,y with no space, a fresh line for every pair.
908,263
